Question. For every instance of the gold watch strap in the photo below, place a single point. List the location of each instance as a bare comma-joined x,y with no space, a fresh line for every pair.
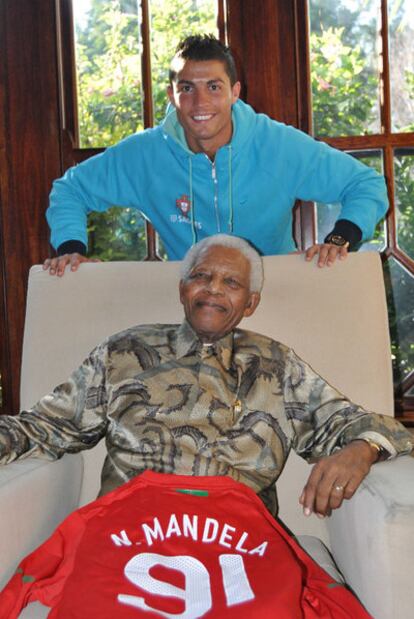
381,452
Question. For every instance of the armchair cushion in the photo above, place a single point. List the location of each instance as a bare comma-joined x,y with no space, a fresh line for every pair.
372,539
35,495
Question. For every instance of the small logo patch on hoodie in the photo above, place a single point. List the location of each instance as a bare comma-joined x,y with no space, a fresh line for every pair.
183,204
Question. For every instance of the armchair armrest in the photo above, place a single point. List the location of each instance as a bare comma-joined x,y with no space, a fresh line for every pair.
35,496
372,539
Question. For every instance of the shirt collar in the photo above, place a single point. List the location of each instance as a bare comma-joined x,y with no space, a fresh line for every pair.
188,342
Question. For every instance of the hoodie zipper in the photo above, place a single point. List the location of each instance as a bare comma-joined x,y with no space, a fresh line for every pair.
215,181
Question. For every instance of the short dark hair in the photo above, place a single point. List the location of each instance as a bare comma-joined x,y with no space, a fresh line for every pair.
205,47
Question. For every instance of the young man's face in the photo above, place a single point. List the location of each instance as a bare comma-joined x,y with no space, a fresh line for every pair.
216,295
203,96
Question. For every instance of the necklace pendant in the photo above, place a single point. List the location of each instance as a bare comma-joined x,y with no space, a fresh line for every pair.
237,407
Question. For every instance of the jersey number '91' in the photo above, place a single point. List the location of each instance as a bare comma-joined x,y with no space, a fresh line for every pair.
197,593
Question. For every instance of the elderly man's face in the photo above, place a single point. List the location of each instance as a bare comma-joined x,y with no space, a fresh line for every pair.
216,295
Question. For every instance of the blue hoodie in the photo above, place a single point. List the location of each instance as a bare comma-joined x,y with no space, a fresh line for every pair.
248,191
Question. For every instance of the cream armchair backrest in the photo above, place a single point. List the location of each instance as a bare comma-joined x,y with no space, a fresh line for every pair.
335,318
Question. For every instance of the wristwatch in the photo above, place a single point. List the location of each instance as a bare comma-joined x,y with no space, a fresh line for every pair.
383,454
336,239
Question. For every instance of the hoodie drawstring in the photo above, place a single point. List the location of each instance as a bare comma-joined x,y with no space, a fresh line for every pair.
230,192
193,227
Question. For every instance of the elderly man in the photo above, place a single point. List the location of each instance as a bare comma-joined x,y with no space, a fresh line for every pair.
206,398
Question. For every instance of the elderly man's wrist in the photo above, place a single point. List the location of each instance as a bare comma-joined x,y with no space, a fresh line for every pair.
377,451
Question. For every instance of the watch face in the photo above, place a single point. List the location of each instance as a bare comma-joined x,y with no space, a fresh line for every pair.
336,239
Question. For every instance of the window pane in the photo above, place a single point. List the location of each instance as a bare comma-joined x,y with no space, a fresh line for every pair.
170,22
344,66
404,198
162,252
117,234
108,62
329,213
401,42
400,300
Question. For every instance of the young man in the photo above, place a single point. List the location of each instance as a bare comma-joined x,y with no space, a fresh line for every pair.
215,165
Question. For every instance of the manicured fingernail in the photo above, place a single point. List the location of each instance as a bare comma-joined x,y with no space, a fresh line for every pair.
320,515
52,271
307,511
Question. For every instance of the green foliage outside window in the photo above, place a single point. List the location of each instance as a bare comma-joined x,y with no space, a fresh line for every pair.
118,234
108,69
343,91
399,282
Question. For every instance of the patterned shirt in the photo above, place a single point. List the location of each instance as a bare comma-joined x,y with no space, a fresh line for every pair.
165,401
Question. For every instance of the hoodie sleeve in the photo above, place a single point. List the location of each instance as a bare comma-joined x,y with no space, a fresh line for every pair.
323,420
111,178
69,419
325,174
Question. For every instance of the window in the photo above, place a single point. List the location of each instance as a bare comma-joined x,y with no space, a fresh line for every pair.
362,82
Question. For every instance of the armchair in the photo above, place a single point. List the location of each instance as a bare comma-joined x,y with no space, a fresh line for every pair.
334,318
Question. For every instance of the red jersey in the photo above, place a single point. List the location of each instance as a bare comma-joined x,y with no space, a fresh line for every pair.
177,547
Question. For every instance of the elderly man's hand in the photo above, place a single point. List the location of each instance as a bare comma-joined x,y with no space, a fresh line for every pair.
327,253
336,478
57,265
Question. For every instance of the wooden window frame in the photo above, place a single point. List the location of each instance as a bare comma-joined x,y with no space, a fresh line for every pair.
29,161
